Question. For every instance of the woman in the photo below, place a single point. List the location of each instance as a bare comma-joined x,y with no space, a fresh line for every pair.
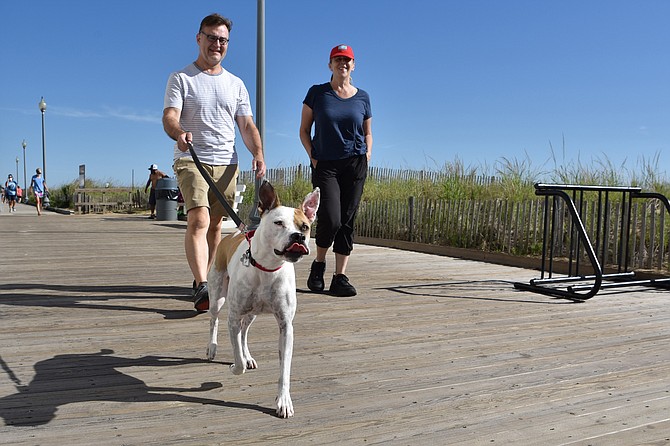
39,188
339,153
10,192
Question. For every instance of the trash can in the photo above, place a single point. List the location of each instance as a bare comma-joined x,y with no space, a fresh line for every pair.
166,199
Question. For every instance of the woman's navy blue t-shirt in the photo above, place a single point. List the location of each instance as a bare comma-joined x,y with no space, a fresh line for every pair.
338,123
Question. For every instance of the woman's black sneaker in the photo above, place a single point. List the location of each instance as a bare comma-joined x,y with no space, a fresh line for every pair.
341,287
315,279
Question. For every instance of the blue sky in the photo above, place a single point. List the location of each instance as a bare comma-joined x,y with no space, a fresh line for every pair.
474,80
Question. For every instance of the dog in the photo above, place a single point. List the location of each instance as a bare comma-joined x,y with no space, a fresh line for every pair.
255,273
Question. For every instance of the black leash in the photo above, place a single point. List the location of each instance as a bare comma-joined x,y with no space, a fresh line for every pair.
231,213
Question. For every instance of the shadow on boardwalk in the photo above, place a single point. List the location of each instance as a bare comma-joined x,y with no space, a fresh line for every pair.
81,296
471,289
67,379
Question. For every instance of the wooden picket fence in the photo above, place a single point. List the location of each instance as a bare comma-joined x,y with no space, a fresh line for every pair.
514,227
496,225
289,175
282,175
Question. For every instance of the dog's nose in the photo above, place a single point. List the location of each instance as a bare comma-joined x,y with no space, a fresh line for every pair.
298,237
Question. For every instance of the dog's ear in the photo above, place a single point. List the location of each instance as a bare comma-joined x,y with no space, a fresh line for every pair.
311,204
267,197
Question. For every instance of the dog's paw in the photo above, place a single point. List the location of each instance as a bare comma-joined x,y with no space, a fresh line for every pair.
237,370
251,363
284,406
211,352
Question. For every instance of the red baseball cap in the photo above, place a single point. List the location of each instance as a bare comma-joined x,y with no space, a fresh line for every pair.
342,50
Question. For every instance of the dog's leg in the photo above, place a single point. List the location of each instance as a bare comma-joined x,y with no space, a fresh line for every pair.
217,297
235,331
284,403
246,324
239,330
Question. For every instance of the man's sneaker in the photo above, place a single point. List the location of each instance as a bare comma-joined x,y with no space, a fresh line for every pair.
201,298
315,279
341,287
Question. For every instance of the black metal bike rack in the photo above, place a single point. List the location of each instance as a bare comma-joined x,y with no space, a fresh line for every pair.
587,255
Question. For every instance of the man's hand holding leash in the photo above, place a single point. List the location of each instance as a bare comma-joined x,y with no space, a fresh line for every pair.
257,163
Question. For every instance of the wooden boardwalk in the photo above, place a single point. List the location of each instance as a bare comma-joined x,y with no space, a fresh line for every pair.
100,346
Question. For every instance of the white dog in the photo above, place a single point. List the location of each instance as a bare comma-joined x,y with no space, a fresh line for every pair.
255,272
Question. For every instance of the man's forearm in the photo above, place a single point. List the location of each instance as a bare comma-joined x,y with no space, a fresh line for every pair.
172,128
171,123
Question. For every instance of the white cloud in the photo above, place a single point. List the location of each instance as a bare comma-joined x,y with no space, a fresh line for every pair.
108,113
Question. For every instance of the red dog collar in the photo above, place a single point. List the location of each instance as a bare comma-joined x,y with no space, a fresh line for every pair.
247,255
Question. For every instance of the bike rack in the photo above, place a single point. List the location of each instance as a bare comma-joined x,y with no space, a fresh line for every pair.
583,281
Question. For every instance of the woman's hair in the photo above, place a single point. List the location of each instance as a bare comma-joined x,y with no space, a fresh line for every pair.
216,20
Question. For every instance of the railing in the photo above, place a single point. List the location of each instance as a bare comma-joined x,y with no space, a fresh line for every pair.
593,237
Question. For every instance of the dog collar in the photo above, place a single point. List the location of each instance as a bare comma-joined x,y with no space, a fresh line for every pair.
248,259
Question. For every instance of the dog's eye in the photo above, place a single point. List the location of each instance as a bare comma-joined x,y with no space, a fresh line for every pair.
304,227
279,223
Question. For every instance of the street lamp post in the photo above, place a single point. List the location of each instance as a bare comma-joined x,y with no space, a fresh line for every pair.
24,144
18,178
43,108
254,217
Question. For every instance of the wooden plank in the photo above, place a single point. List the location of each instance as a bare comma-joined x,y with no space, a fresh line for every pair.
99,344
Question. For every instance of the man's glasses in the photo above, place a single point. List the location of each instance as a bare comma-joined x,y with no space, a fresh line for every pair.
213,39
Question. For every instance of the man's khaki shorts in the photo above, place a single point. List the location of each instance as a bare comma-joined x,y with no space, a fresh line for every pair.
195,190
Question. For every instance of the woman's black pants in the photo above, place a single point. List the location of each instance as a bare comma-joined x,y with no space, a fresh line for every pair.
341,183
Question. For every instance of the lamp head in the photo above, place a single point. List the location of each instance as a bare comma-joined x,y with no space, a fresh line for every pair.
43,105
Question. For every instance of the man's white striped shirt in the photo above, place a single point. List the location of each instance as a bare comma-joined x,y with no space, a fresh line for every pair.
209,105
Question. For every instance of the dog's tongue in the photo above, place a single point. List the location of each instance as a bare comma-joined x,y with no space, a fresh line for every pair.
297,247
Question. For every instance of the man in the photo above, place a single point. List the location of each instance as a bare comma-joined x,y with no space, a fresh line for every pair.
203,102
39,187
154,176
